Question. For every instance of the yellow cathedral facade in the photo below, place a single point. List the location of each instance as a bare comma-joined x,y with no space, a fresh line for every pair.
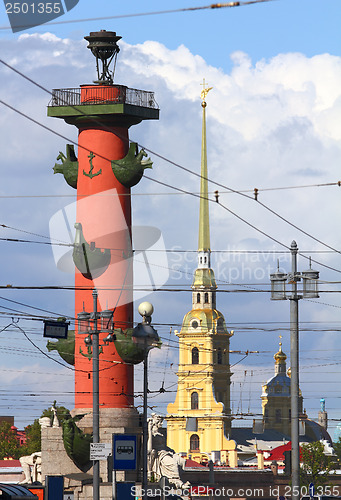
199,421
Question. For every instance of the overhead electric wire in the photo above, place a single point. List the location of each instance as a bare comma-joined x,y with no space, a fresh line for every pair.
136,250
240,326
245,221
167,267
5,226
146,289
163,193
165,250
35,308
233,213
219,5
16,240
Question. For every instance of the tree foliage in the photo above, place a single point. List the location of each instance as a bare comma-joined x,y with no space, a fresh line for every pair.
337,449
33,431
9,445
315,464
61,411
33,439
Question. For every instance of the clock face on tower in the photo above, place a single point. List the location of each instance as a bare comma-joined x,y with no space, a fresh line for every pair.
194,324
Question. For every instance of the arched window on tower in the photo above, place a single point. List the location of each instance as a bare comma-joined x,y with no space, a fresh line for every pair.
198,298
194,443
278,416
195,356
194,401
219,356
206,298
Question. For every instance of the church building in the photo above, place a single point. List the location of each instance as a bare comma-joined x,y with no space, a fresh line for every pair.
274,429
199,421
276,402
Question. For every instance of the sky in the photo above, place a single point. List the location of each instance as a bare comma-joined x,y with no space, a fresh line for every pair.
272,124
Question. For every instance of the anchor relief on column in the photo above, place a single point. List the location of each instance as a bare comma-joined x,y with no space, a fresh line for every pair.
128,170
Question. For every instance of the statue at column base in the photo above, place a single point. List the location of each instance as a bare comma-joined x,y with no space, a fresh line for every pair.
162,460
31,465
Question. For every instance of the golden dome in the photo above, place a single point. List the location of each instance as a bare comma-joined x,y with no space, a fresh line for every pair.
280,356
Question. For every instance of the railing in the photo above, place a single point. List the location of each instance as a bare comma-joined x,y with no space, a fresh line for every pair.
96,94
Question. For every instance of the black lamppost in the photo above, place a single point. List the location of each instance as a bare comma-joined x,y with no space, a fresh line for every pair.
278,292
146,337
88,324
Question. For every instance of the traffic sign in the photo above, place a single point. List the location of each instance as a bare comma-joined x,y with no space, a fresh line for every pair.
124,451
100,451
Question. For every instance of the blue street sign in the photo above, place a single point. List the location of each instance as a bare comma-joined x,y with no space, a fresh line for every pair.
124,451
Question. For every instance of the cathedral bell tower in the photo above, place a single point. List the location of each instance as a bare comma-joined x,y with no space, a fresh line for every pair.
199,420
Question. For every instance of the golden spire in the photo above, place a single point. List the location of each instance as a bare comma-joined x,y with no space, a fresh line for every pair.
204,223
204,275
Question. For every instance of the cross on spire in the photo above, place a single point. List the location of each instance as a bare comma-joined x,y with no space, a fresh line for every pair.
205,90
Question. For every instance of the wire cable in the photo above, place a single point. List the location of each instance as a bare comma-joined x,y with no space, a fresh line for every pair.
259,190
242,219
140,14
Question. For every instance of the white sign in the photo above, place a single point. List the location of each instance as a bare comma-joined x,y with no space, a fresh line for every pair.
100,451
68,496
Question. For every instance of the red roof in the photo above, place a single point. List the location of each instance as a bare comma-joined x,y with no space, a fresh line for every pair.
191,463
10,463
278,453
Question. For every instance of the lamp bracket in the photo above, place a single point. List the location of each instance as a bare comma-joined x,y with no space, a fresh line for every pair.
293,277
295,296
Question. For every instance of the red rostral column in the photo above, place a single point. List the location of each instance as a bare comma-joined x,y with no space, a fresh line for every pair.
106,168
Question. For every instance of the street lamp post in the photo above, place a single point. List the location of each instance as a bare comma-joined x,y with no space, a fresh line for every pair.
95,394
278,292
146,337
92,341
